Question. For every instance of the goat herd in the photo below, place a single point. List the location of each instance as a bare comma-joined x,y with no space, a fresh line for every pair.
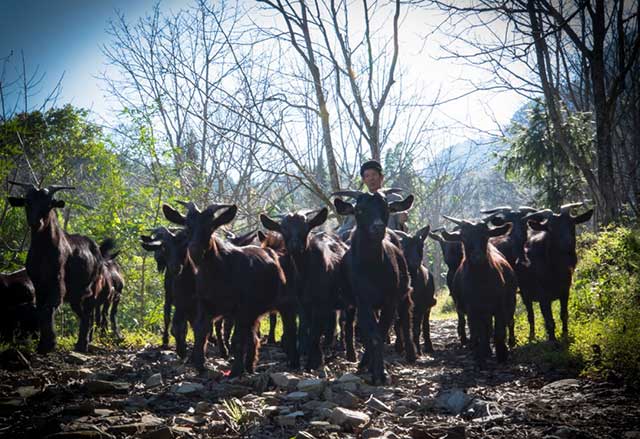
372,275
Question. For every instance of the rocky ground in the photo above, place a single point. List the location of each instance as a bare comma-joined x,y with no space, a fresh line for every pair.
151,394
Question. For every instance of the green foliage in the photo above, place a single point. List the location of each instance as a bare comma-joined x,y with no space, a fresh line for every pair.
444,308
535,158
604,310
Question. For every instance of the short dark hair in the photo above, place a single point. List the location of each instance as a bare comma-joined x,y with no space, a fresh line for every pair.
371,164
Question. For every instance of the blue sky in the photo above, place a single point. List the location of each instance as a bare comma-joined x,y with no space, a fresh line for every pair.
65,36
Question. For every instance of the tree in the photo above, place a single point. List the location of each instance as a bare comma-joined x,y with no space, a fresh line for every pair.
567,44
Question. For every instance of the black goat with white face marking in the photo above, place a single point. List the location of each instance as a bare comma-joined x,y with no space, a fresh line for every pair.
313,270
377,274
546,272
485,285
61,266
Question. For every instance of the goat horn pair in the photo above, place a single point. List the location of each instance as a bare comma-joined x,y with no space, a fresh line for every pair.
566,208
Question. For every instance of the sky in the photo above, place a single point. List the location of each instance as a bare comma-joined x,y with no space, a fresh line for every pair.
64,36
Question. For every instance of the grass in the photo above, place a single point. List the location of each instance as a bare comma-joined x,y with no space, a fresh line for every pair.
444,308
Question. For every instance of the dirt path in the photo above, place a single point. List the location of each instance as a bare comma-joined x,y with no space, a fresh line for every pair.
119,394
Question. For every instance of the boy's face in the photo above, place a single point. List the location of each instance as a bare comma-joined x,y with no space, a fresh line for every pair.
372,179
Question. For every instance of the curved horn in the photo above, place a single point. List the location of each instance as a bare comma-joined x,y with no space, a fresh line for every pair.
495,213
391,190
229,234
213,208
527,209
538,215
501,209
459,222
347,193
566,208
24,185
58,187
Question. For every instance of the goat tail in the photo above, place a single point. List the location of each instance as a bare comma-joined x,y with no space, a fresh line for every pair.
106,248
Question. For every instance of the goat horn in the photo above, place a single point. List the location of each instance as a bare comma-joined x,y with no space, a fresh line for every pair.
527,209
55,188
566,208
456,220
391,190
24,185
229,234
500,209
347,193
540,214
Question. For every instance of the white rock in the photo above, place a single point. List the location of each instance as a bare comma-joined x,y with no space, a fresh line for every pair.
348,418
569,382
312,385
284,380
453,401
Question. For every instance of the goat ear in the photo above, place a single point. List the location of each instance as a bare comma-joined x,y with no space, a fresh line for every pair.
423,233
151,246
399,206
343,208
59,204
173,215
261,236
16,201
537,226
269,224
584,217
453,236
226,216
499,231
498,220
319,218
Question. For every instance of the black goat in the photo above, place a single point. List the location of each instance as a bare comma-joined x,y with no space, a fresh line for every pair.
182,273
18,311
377,276
546,272
61,266
313,272
241,282
511,245
112,282
423,288
452,253
486,287
154,243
